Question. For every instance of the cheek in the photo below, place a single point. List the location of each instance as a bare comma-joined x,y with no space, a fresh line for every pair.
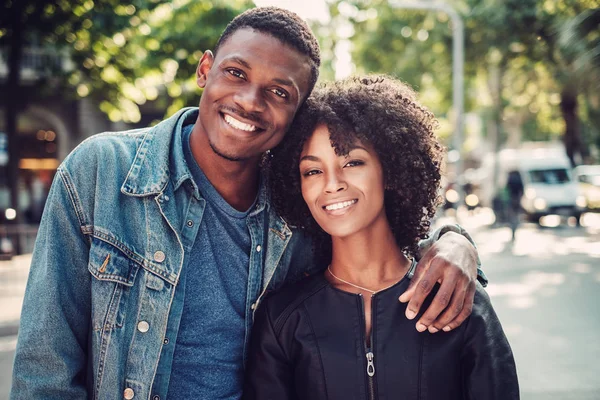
309,195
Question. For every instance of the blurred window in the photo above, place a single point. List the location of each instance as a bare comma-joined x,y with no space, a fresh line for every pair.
549,176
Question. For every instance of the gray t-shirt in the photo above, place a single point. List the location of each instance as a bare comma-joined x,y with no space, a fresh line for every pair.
208,358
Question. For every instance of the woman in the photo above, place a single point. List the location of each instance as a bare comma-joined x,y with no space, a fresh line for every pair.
360,171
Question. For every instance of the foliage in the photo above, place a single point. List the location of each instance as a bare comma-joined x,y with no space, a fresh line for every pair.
522,58
127,52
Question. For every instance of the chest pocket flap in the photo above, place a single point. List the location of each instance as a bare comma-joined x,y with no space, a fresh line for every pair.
108,263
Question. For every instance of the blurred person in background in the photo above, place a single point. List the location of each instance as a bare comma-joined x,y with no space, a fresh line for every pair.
156,245
346,174
514,189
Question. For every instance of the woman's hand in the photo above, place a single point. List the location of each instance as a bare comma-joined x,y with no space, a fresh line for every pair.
452,261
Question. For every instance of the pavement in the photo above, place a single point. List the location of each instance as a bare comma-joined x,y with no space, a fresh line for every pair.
13,279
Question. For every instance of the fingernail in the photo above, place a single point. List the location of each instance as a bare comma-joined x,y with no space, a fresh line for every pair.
421,327
410,314
433,329
402,299
447,328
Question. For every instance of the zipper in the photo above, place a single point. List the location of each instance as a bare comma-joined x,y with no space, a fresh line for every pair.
370,356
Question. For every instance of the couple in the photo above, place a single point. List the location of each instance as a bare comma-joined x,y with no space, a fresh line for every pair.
157,245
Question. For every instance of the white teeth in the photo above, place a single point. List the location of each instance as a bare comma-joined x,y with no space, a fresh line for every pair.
337,206
239,124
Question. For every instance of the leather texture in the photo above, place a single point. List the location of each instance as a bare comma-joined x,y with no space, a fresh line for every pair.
308,342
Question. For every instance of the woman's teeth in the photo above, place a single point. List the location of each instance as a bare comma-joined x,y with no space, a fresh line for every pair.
337,206
239,124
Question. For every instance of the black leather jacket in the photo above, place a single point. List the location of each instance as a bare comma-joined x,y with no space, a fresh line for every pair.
308,342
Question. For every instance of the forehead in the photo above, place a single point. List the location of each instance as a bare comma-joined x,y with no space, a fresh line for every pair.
264,52
321,141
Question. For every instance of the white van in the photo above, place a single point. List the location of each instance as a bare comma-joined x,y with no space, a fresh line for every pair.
549,187
548,182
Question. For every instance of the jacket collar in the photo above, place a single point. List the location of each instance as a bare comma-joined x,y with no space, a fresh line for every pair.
152,166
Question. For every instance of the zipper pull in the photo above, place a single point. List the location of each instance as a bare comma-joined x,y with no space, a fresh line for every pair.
370,364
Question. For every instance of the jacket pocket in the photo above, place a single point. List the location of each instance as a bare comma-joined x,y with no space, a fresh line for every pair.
114,274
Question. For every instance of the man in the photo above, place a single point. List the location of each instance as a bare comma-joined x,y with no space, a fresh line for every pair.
157,245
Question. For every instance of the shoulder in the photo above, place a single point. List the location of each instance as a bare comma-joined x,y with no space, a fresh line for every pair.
281,304
483,316
105,149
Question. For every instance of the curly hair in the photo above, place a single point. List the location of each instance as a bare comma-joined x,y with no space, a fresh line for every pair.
284,25
377,110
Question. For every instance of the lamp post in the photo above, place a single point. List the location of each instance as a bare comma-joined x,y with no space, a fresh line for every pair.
458,56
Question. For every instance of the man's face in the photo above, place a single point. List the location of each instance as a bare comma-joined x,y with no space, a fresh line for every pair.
252,90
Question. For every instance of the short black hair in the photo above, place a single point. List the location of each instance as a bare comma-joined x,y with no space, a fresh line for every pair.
284,25
380,111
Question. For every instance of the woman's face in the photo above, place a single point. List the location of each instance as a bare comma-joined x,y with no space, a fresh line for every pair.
345,194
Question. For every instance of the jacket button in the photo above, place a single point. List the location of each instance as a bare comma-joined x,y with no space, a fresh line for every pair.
258,248
166,340
190,223
128,394
143,326
159,256
156,397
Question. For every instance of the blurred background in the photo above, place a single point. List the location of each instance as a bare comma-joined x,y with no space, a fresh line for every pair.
515,85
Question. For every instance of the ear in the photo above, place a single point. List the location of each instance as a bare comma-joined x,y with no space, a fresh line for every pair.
204,67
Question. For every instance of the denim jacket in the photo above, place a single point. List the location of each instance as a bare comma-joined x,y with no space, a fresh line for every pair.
101,309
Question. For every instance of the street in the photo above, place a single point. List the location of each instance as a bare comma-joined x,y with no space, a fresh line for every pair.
545,288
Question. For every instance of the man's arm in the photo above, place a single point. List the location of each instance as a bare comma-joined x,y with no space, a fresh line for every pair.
449,256
51,355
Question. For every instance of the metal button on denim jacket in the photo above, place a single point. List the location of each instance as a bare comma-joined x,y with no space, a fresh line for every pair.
101,309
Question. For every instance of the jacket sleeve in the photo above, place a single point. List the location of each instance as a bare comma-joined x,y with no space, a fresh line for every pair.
269,374
488,366
51,355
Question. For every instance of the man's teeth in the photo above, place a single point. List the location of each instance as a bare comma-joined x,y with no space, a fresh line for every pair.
337,206
239,124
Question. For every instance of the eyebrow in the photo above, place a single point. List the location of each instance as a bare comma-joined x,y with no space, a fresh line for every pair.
308,157
239,61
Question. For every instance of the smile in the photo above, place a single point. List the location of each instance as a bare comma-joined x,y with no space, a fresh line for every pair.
238,124
340,205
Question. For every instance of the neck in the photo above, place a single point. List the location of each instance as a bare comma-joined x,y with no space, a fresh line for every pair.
369,258
236,181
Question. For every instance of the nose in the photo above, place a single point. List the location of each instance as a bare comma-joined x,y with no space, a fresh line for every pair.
335,183
250,98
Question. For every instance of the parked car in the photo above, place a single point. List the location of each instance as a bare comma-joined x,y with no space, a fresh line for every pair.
588,177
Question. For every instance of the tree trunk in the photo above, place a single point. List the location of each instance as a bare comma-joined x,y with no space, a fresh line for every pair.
572,135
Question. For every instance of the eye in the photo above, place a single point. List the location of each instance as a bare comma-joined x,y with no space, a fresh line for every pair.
354,163
236,73
280,93
311,172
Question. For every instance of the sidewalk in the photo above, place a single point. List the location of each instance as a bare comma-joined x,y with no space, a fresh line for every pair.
13,279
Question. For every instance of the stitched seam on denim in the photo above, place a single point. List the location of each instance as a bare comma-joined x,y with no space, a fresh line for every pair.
288,237
75,202
281,320
318,348
105,338
176,279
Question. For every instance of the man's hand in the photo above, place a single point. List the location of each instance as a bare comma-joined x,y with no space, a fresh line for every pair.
452,261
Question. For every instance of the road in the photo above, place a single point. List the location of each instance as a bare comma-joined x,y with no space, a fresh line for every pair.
546,289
